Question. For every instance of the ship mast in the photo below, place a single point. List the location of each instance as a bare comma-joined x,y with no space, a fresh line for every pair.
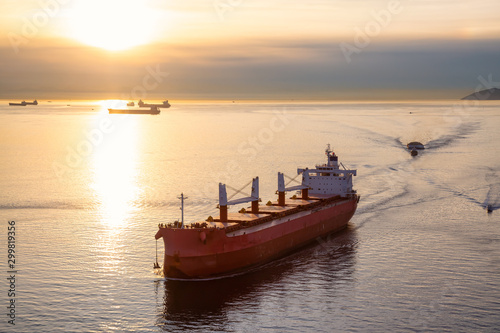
182,197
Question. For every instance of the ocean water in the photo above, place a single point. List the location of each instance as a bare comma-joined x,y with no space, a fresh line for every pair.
87,190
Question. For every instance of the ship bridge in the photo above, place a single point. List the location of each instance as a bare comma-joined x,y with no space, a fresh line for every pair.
328,178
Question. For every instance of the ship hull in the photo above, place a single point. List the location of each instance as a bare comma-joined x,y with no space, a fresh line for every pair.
128,111
202,253
163,106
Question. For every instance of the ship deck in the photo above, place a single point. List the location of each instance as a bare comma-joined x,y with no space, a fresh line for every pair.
268,215
218,225
279,219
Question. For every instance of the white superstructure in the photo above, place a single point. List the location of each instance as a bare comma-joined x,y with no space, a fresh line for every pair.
328,179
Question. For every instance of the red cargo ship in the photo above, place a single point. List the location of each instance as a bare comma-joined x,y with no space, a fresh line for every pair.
234,242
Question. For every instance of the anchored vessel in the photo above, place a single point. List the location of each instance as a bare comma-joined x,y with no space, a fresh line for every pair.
24,103
233,242
152,110
164,104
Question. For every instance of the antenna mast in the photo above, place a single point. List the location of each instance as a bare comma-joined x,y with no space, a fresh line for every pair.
182,197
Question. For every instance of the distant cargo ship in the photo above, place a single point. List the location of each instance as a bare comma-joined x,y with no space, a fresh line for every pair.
233,242
164,104
152,110
24,103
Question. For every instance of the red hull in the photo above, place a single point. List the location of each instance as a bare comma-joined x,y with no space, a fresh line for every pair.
202,253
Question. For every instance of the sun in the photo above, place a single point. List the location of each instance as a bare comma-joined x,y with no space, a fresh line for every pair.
112,24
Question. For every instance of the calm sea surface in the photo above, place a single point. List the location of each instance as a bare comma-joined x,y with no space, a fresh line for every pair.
87,190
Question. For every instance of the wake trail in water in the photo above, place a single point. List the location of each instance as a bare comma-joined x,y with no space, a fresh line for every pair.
456,193
493,196
395,185
397,176
460,132
375,137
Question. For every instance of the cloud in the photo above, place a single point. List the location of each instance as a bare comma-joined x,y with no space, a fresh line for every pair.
252,69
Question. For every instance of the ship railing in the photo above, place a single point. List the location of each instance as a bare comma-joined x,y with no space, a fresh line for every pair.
267,218
277,215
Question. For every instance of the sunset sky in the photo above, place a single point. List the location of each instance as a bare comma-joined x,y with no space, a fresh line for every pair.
242,49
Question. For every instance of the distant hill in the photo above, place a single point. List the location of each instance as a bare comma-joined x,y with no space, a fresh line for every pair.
485,95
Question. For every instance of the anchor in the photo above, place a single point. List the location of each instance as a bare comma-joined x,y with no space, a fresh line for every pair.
156,264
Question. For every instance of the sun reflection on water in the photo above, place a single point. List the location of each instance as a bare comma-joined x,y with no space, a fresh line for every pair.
115,171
